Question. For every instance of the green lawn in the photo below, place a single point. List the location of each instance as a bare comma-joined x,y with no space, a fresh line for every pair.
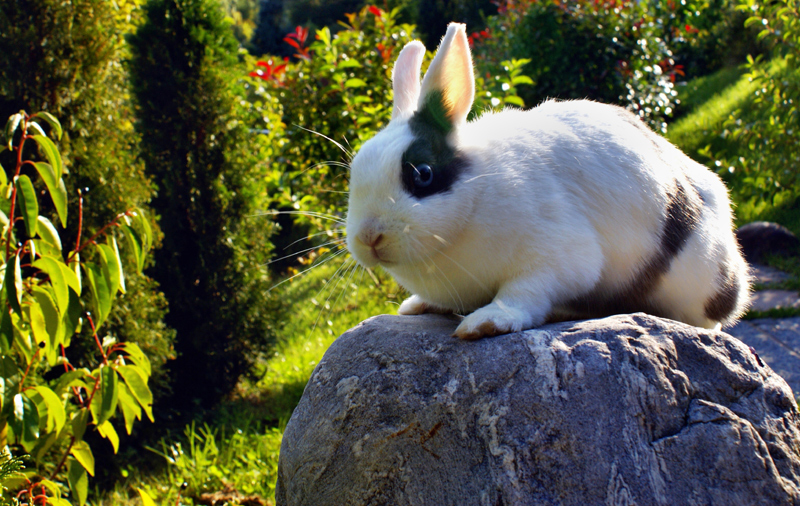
238,448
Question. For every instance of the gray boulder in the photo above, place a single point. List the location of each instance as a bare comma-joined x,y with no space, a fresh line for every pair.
626,410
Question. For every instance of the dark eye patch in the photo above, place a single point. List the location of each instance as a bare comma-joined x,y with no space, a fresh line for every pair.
430,165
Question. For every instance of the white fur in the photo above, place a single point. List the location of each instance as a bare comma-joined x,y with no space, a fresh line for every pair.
558,201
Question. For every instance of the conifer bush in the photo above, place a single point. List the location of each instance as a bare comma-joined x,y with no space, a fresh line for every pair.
204,147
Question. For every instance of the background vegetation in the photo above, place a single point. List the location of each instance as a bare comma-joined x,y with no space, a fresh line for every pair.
225,127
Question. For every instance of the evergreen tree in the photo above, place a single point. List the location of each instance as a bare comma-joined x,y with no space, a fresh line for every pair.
199,150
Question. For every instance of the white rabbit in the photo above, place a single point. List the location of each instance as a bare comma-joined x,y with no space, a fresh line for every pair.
569,210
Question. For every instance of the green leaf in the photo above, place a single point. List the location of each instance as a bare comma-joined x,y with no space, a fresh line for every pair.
6,331
131,410
32,125
55,185
52,121
104,402
51,153
13,284
521,80
145,232
52,488
107,431
136,380
351,63
112,269
25,421
146,499
72,318
44,444
11,127
118,260
78,481
38,326
83,454
514,100
101,293
28,203
79,422
52,321
137,356
135,244
68,379
48,232
51,409
355,82
70,277
53,268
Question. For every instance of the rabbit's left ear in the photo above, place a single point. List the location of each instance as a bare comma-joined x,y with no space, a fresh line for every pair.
405,79
449,85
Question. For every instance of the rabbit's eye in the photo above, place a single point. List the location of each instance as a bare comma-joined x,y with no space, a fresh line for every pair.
423,175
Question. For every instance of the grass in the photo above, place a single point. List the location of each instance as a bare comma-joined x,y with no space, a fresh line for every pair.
236,453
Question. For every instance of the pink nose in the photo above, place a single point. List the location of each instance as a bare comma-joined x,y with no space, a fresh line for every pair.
371,234
371,238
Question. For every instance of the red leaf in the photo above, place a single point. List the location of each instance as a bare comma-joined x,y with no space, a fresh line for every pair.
291,42
376,11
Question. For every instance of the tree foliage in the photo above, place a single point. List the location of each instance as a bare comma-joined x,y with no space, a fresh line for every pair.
201,144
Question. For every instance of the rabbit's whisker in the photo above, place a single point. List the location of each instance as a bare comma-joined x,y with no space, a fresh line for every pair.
338,145
337,242
338,276
328,259
329,233
312,214
483,175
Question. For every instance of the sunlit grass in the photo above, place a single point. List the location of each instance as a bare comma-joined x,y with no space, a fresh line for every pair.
238,450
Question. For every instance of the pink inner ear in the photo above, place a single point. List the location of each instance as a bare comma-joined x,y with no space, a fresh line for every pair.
451,73
405,79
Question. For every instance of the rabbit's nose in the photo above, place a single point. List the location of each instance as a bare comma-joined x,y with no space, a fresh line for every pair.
371,233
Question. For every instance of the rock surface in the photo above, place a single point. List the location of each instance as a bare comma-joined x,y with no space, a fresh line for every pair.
626,410
761,239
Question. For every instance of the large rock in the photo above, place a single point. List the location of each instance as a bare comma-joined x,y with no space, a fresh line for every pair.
626,410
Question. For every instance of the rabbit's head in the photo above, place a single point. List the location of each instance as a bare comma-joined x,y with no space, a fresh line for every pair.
408,199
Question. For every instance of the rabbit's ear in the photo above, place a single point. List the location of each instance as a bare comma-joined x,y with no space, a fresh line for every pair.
405,79
448,87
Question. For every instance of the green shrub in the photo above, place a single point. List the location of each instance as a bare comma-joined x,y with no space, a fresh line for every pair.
47,399
705,35
761,159
609,51
202,148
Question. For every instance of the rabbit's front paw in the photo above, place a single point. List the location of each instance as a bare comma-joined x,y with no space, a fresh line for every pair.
415,305
492,320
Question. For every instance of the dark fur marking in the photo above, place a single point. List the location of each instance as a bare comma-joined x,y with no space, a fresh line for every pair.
431,128
720,306
682,216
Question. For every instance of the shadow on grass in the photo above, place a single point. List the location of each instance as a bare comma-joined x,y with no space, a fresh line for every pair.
269,408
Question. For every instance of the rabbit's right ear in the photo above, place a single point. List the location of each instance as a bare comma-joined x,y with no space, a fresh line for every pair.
405,79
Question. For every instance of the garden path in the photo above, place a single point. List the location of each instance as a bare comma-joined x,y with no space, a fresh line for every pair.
775,340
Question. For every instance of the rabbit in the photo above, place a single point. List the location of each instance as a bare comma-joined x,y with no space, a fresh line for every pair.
572,209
